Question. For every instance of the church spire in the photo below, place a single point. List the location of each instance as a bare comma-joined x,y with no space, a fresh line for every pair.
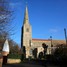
26,18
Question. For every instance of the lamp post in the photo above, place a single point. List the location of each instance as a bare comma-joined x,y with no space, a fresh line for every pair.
51,44
51,41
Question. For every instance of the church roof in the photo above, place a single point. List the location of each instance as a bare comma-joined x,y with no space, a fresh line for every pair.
59,41
54,42
41,39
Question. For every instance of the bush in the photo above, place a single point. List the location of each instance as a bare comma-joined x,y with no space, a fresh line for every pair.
60,54
14,56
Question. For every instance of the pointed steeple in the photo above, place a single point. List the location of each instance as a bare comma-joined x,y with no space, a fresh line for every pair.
5,50
6,46
26,18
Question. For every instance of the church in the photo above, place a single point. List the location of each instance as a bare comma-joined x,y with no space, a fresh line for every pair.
30,44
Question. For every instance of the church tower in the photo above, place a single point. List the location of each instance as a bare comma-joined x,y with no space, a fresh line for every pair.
26,38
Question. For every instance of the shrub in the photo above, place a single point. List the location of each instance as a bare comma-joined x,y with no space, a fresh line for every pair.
14,56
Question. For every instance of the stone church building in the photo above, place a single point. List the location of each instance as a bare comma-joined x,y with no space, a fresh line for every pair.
29,43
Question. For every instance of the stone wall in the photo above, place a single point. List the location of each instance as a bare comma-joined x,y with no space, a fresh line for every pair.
10,61
1,60
38,44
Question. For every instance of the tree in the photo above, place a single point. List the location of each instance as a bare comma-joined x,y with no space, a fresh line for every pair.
61,50
35,53
23,53
45,48
15,50
60,53
4,35
5,16
40,56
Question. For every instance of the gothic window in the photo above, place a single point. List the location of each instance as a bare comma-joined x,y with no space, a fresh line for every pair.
27,30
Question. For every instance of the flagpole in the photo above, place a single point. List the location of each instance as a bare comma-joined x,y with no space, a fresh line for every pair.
65,35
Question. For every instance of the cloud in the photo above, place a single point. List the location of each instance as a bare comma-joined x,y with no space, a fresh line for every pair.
53,30
14,4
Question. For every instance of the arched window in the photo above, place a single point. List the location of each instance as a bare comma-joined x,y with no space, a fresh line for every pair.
27,30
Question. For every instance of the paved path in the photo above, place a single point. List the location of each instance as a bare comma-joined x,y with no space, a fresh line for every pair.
28,64
22,65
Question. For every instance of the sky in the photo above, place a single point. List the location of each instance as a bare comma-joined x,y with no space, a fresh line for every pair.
47,18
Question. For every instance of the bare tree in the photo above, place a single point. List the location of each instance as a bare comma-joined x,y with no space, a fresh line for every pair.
5,16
